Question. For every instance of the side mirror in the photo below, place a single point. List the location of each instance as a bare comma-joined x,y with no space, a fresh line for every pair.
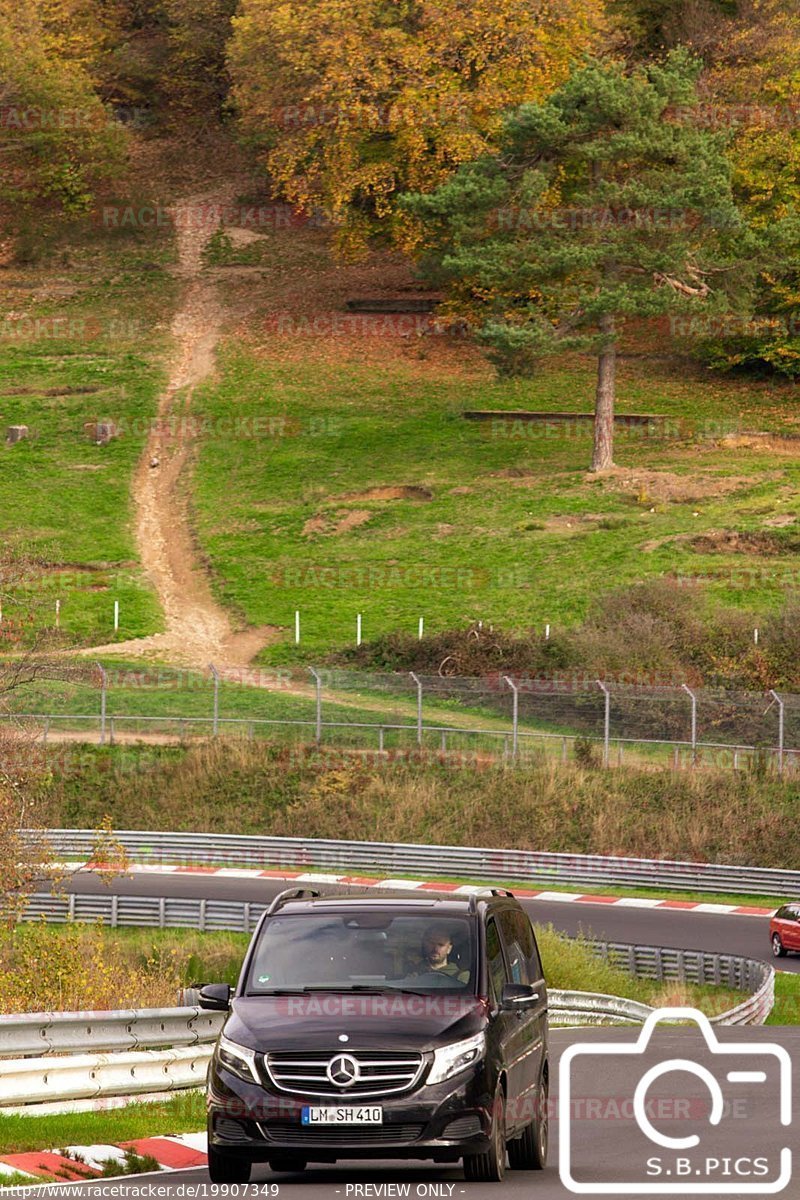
215,996
518,996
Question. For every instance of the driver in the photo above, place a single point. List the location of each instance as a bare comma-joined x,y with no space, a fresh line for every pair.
436,948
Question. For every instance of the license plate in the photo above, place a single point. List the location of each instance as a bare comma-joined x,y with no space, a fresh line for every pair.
343,1114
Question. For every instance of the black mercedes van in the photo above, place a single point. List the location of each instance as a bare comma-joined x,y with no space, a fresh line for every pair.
382,1027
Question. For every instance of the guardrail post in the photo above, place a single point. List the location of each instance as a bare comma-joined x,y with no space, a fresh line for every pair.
419,707
103,686
693,699
215,674
779,703
318,683
515,716
606,720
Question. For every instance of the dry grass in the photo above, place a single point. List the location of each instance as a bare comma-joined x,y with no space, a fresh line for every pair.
235,787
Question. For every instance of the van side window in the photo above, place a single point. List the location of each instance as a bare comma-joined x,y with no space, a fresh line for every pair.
524,964
494,961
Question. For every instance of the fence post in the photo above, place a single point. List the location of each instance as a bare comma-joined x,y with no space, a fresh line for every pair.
693,699
103,685
515,716
606,720
215,673
779,703
318,683
419,707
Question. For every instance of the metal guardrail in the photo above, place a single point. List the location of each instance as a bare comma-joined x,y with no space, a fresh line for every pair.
42,1034
88,1076
650,962
592,1008
530,866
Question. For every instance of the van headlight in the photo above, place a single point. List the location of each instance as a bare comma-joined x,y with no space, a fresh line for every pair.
449,1060
240,1060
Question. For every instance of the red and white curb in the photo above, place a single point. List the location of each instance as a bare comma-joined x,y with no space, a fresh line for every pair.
433,885
87,1162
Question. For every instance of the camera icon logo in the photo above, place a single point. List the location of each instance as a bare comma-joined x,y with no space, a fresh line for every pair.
737,1073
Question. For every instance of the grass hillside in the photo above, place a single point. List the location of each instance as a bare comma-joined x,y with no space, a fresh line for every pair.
349,481
83,336
332,469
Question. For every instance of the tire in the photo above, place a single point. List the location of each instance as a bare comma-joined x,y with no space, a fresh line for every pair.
529,1152
778,948
286,1163
491,1166
227,1168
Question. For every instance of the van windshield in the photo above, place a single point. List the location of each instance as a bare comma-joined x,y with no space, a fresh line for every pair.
359,950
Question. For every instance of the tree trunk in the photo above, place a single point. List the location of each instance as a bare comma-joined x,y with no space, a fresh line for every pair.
603,456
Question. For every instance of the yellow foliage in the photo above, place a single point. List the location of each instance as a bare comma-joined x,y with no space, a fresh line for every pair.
352,101
77,967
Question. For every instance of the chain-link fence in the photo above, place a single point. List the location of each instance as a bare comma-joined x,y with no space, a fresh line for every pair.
512,718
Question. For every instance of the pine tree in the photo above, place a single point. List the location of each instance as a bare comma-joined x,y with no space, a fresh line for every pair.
603,202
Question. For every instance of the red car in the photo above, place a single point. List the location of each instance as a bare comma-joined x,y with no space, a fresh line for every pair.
784,929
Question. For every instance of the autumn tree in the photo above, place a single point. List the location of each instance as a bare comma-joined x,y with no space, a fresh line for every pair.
349,102
57,141
751,89
595,207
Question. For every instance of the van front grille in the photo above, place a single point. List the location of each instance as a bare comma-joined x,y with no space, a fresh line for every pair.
332,1073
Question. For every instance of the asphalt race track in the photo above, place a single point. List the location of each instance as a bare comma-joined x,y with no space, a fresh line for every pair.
607,1145
716,933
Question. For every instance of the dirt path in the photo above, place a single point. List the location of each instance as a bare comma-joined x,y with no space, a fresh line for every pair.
198,630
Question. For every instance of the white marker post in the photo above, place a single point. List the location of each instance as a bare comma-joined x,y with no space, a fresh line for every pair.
755,636
358,629
58,614
116,616
297,627
547,633
421,627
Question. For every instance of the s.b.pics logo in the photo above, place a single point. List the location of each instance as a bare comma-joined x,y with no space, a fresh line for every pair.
698,1116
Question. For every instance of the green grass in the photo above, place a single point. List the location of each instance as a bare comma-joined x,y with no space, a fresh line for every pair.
787,1000
458,557
62,497
182,1113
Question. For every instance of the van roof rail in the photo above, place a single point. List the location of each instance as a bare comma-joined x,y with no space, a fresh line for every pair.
483,893
289,894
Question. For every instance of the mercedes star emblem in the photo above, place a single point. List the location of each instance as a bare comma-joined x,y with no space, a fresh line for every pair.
343,1070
